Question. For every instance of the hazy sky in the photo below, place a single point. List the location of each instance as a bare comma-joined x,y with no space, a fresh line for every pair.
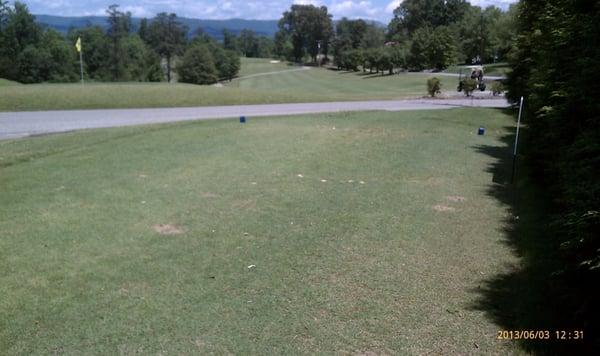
224,9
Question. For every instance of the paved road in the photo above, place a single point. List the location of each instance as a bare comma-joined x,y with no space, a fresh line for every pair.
22,124
456,75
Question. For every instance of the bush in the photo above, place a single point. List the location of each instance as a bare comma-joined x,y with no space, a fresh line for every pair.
469,85
197,66
497,88
351,59
227,63
433,86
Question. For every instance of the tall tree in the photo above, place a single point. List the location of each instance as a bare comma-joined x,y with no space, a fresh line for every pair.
432,48
414,14
168,38
309,30
96,47
229,41
283,45
19,31
503,33
4,10
144,31
119,24
143,64
248,43
373,37
555,67
349,35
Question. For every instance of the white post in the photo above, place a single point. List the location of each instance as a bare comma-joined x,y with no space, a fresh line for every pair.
512,179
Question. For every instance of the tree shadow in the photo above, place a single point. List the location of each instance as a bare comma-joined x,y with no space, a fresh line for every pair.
340,71
377,75
531,295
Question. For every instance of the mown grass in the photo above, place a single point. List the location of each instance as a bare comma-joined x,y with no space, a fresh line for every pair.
6,82
391,266
314,85
132,95
251,66
335,85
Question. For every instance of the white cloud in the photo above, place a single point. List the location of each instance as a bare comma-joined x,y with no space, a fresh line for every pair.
381,10
503,4
307,2
137,11
392,6
354,9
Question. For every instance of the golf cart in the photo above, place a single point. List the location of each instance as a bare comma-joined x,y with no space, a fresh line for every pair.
476,74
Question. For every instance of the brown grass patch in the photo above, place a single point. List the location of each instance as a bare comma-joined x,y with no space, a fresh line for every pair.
443,208
428,181
209,195
168,229
456,198
248,204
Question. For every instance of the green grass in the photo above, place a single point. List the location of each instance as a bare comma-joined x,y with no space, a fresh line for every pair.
337,85
339,267
6,82
314,85
132,95
251,66
496,69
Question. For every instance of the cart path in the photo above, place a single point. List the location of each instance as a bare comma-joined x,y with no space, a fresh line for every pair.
271,73
28,123
456,75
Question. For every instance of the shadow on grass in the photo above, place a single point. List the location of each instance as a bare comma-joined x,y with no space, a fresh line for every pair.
529,296
340,71
377,75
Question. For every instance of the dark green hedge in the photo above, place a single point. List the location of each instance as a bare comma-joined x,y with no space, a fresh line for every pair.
556,67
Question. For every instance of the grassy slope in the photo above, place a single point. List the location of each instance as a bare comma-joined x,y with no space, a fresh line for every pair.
132,95
252,66
339,266
6,82
334,85
306,86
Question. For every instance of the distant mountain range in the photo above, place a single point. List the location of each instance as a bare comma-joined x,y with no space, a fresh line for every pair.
213,28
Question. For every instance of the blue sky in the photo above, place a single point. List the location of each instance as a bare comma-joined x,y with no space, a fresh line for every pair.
380,10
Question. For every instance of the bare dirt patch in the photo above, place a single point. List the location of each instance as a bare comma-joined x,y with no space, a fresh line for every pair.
209,195
168,229
456,198
443,208
248,204
428,181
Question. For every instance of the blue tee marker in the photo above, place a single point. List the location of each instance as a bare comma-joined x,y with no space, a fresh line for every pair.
242,119
481,131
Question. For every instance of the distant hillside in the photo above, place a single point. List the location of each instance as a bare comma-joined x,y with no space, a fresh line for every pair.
213,28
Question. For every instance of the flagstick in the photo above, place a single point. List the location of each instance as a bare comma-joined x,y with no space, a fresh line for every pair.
512,179
81,65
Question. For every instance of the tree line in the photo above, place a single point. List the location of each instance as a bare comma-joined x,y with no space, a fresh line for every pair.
555,68
424,34
30,53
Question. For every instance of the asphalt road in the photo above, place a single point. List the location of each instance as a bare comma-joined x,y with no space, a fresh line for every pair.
456,75
28,123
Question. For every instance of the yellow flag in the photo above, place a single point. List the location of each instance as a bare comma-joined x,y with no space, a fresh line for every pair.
78,45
